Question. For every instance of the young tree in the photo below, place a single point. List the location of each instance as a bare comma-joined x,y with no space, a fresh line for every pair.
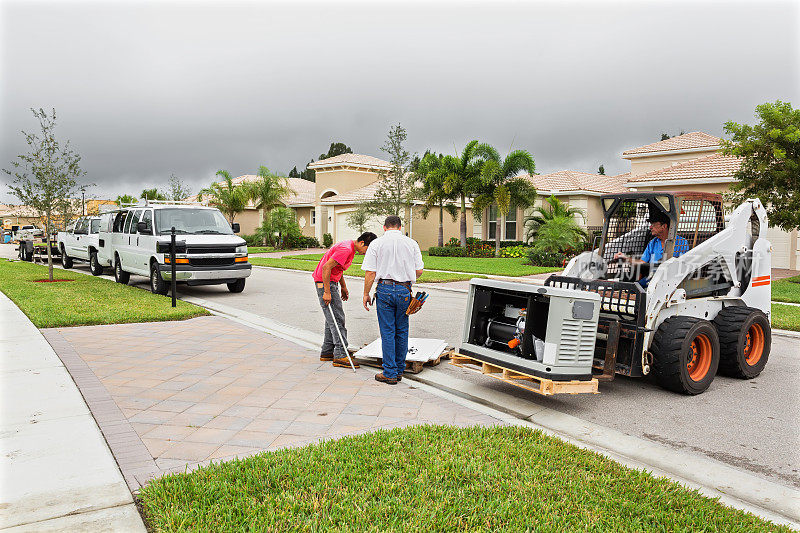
268,190
357,219
279,225
152,194
770,154
125,199
177,190
601,170
226,196
553,208
395,189
500,186
46,178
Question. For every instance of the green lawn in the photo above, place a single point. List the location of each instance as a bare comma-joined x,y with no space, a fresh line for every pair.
259,249
786,290
786,317
433,478
355,270
503,266
84,301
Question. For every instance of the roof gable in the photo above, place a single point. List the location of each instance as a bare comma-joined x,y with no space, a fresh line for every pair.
711,166
688,141
356,160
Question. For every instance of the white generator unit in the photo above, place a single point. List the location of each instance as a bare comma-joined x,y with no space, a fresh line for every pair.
548,332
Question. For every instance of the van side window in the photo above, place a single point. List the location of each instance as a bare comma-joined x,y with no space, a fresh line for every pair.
148,217
136,216
94,226
119,221
127,222
81,227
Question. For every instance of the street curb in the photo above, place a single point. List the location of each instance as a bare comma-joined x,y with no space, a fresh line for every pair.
733,487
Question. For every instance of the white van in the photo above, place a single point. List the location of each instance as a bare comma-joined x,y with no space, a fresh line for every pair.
80,241
136,240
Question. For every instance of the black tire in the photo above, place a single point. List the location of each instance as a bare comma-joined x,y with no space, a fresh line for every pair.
66,261
157,283
236,286
94,264
745,339
120,276
685,354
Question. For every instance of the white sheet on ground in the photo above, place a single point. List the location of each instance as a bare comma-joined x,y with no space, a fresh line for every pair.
422,350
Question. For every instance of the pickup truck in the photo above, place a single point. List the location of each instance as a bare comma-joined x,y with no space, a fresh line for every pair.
80,242
136,240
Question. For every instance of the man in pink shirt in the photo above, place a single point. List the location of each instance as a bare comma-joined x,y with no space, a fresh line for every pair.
328,277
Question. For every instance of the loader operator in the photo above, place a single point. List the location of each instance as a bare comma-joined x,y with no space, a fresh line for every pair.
329,277
659,228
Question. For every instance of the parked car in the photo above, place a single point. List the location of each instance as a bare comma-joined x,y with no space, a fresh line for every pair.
136,240
81,241
26,232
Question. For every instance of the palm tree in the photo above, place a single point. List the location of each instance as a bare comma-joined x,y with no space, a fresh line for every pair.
152,194
226,196
433,190
559,234
500,186
554,208
268,190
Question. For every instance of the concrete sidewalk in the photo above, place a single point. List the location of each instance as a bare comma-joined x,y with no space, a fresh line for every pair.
56,470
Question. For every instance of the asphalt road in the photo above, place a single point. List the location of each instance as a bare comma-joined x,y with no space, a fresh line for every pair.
753,425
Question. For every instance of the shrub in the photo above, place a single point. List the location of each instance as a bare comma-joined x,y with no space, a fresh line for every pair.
514,251
252,240
327,240
447,251
547,259
503,244
301,242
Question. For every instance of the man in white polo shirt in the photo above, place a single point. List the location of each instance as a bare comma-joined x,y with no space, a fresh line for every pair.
396,262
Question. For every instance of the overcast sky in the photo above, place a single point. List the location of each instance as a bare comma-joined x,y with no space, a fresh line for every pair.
147,89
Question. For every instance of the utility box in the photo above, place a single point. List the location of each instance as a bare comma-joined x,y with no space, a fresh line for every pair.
548,332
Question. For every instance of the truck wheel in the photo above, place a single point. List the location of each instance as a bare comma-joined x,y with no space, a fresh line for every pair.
745,338
120,276
685,354
94,264
236,286
157,283
66,261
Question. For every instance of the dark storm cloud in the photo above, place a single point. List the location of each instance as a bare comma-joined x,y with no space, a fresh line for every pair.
147,89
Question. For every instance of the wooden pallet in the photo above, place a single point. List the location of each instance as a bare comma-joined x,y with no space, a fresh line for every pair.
543,386
412,367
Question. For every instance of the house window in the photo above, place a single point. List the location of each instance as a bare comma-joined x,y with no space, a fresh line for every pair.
313,216
491,220
511,225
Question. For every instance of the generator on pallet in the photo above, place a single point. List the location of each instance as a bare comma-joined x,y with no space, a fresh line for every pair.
675,288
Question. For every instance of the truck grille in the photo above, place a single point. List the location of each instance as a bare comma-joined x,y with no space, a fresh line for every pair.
577,341
210,261
211,249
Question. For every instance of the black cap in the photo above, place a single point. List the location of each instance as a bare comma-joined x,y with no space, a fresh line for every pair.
658,216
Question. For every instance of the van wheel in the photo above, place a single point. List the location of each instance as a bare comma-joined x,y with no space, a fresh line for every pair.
236,286
66,261
120,276
157,283
685,354
94,264
745,338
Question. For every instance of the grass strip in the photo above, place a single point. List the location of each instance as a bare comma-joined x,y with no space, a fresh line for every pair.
786,317
86,300
434,478
355,270
786,290
259,249
501,266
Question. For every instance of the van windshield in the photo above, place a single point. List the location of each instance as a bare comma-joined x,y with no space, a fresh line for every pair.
192,221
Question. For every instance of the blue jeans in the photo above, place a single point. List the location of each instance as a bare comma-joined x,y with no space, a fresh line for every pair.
391,302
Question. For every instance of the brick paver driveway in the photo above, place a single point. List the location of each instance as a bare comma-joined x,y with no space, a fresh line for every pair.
176,394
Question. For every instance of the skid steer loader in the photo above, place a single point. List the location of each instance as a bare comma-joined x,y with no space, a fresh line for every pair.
704,308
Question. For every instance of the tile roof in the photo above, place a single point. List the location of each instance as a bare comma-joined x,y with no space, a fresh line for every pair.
687,141
712,166
361,194
351,159
570,180
24,211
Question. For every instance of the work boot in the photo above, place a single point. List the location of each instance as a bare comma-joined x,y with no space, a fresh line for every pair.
345,363
383,379
326,357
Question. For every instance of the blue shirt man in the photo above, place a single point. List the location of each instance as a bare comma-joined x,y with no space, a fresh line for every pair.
659,228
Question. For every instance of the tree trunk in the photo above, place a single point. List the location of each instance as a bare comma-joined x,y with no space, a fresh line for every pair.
463,228
441,225
47,242
497,229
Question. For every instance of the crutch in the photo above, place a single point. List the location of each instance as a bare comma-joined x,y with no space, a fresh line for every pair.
341,338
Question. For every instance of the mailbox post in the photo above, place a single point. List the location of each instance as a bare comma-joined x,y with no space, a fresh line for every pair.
173,283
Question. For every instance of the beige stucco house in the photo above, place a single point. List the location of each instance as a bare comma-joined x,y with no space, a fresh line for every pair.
693,162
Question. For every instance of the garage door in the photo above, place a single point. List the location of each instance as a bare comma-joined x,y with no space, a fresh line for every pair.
345,232
782,243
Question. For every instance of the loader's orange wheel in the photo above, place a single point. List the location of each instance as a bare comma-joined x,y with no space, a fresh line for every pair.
754,344
698,360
